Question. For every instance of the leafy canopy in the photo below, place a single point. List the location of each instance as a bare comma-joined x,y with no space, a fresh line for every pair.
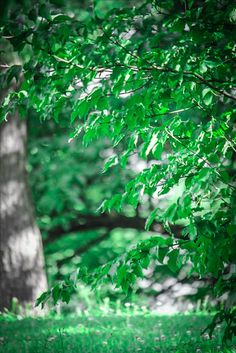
158,80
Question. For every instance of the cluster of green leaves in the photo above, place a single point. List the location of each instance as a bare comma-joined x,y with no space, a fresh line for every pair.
123,271
227,316
158,78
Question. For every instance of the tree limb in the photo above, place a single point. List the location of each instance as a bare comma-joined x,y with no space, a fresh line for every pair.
108,222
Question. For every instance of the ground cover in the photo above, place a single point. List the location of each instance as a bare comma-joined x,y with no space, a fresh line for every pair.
110,333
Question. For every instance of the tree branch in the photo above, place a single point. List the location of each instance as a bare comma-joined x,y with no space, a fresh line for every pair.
108,222
168,69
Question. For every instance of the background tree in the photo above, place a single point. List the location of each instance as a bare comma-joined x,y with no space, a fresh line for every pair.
22,273
21,262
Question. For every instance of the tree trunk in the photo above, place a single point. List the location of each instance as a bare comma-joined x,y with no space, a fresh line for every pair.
22,273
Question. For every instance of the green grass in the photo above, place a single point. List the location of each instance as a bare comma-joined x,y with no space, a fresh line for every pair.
111,333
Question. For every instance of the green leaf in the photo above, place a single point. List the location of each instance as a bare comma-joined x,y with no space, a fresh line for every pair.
81,109
113,160
137,270
151,144
192,230
207,96
172,261
162,251
189,245
151,219
171,213
145,261
65,296
60,18
157,150
43,298
56,293
13,72
44,11
121,274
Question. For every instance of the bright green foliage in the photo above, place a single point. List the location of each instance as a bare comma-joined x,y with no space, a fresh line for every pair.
158,80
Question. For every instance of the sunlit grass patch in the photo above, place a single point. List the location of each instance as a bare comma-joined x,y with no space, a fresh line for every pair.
110,333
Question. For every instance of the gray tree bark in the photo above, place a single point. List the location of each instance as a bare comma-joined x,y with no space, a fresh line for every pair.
22,273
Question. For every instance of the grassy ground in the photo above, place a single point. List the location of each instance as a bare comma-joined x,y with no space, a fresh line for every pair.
103,334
